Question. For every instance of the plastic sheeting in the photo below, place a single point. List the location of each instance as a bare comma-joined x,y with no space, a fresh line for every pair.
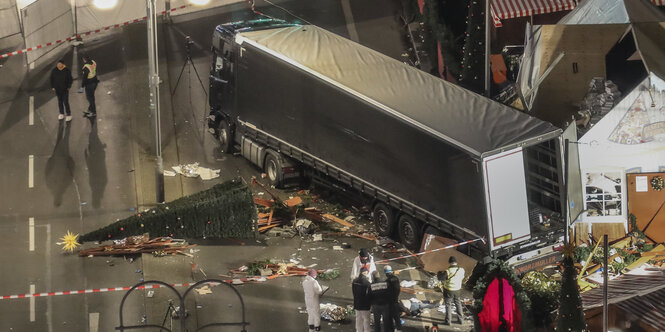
191,9
9,23
474,123
529,72
46,21
612,12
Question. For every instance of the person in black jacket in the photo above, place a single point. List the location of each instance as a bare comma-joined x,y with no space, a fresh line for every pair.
380,299
395,288
61,81
89,83
361,300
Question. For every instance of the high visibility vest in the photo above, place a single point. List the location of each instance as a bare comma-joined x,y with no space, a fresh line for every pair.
92,69
454,278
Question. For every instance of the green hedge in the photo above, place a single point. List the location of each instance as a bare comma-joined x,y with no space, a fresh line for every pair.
225,210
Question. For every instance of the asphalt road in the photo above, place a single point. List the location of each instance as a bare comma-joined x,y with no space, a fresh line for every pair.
57,177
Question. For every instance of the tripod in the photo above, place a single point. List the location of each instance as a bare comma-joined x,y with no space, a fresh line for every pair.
174,312
188,60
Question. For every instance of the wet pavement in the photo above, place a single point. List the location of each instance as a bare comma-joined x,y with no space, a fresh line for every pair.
57,177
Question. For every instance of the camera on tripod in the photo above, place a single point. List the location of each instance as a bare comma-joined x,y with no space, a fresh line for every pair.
188,43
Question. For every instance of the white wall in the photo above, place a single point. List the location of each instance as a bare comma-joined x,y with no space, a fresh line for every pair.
614,145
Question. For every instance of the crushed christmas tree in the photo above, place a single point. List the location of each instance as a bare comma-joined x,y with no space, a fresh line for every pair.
225,210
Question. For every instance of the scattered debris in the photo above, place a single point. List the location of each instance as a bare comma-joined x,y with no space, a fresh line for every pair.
139,244
203,290
408,283
194,170
332,312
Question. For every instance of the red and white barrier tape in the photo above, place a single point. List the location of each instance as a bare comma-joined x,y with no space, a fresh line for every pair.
60,41
115,289
431,251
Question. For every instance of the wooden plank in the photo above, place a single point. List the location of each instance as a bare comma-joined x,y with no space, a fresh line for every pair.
293,201
342,222
262,201
614,230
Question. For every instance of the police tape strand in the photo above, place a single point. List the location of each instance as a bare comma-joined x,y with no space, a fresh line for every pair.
78,36
230,281
431,251
115,289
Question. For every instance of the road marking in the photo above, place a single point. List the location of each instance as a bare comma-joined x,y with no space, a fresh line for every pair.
32,303
31,233
350,24
31,107
31,171
93,320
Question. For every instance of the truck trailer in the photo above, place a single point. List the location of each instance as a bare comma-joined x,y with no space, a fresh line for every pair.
428,155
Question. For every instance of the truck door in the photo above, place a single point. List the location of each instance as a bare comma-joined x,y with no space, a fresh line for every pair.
506,199
222,77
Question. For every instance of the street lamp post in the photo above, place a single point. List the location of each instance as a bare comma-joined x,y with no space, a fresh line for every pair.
153,83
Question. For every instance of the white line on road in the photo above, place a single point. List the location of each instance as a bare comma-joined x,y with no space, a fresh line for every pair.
31,233
93,322
32,303
350,23
31,115
31,171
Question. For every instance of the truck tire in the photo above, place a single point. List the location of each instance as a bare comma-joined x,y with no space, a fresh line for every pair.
225,138
272,166
409,232
384,219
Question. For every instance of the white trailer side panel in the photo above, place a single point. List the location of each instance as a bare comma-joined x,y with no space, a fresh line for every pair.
505,190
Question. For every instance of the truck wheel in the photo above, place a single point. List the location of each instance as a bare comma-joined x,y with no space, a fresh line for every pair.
272,166
409,232
384,219
225,140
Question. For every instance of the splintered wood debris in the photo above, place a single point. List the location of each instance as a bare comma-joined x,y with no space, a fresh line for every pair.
137,245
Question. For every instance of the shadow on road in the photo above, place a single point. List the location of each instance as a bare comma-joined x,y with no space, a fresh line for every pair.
60,166
95,159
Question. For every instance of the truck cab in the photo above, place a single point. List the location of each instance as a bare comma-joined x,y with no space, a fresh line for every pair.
223,73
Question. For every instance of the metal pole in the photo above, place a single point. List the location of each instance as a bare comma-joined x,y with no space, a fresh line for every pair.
487,48
153,82
566,212
605,248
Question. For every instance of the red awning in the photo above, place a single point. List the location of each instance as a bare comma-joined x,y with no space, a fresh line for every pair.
504,9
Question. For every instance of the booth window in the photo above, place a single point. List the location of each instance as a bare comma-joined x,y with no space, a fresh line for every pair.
603,194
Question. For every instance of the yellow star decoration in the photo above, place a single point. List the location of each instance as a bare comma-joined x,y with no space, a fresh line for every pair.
569,250
69,242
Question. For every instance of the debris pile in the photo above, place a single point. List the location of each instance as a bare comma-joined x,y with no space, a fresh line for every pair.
193,171
332,312
601,98
268,268
139,244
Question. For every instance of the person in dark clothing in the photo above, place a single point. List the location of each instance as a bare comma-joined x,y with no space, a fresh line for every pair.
61,81
395,288
89,83
361,300
381,298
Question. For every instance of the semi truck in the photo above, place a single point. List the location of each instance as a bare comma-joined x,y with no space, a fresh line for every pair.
428,155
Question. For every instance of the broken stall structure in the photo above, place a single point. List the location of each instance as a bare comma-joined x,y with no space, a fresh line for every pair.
601,69
635,302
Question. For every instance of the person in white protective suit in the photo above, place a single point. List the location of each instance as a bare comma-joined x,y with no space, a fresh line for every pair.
312,294
364,259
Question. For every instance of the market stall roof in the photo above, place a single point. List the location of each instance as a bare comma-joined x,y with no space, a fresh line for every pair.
637,283
614,11
505,9
472,122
